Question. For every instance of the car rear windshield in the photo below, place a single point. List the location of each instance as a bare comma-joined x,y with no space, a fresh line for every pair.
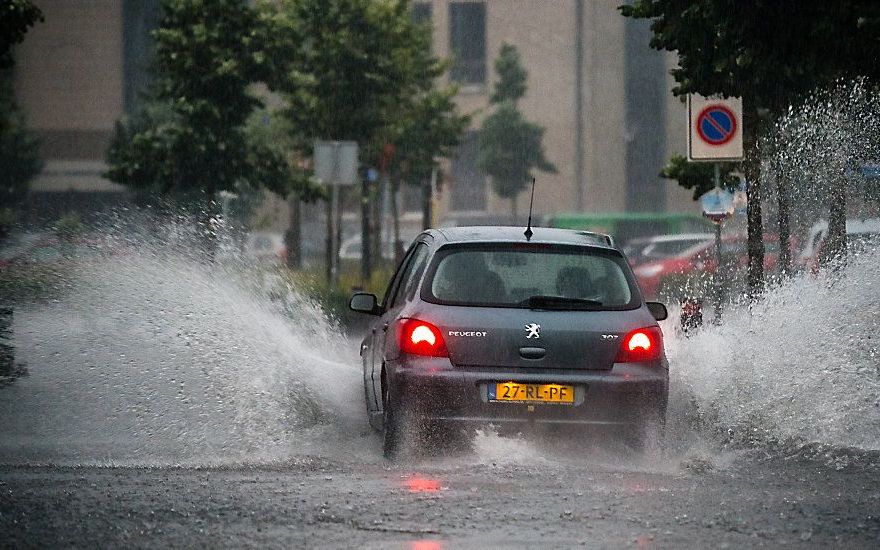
532,276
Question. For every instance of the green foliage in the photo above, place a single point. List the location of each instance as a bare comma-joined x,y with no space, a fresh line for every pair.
511,84
429,129
28,282
348,65
769,53
19,150
16,17
190,141
510,147
362,70
69,226
334,299
772,54
698,176
275,157
425,125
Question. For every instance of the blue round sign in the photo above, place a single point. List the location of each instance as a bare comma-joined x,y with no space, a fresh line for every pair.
716,124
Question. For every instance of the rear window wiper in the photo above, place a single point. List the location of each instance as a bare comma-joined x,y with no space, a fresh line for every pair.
559,302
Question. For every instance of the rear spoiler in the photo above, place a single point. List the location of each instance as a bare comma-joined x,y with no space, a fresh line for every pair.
601,237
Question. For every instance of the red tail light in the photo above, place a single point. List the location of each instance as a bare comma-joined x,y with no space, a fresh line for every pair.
644,344
421,338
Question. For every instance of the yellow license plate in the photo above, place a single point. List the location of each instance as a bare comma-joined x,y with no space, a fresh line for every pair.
531,393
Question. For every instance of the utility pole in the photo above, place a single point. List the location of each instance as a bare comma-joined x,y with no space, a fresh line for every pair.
579,104
366,265
718,294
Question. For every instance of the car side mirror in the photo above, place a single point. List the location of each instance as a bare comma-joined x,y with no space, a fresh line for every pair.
658,310
363,302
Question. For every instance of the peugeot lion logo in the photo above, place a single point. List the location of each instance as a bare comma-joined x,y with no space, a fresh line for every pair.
533,330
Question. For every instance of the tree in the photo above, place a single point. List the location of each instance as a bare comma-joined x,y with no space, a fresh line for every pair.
189,142
430,130
346,66
361,70
16,17
19,149
698,176
770,54
426,128
510,147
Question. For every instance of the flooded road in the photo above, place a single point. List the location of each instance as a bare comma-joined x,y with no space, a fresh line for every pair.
172,403
319,503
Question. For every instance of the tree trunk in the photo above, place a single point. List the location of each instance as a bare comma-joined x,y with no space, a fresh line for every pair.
366,249
834,248
328,243
427,201
293,235
395,218
755,242
754,195
376,223
337,234
782,199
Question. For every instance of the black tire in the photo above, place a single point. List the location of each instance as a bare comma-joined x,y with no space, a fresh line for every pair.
392,431
395,424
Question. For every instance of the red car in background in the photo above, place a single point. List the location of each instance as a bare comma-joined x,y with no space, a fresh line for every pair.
700,259
651,249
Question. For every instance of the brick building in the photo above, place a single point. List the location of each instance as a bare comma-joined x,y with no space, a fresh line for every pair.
76,74
600,92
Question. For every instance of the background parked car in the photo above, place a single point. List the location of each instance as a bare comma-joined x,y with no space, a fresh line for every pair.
858,234
658,247
687,272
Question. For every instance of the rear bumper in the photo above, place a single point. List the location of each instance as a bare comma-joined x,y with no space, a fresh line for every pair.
622,395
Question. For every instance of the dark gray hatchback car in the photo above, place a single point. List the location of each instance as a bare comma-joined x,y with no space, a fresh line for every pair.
480,325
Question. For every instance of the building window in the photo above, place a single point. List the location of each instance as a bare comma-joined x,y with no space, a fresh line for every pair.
468,182
467,42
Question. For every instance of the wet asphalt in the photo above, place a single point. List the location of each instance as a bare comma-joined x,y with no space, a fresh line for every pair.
430,503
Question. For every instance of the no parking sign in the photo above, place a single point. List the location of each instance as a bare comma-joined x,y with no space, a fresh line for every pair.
714,129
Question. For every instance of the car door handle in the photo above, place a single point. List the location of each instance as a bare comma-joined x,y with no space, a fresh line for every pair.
385,327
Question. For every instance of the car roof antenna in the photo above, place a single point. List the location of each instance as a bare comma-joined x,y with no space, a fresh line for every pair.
528,232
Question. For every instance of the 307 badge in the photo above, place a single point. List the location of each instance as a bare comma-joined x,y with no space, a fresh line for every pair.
514,392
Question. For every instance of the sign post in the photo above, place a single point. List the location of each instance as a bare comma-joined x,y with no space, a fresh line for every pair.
717,206
336,164
715,134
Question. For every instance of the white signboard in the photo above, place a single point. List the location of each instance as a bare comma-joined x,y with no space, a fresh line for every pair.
714,129
336,162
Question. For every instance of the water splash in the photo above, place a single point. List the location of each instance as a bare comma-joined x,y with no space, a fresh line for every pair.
800,367
819,148
152,356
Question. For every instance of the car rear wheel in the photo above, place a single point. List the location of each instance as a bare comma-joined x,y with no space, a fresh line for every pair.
390,435
395,417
